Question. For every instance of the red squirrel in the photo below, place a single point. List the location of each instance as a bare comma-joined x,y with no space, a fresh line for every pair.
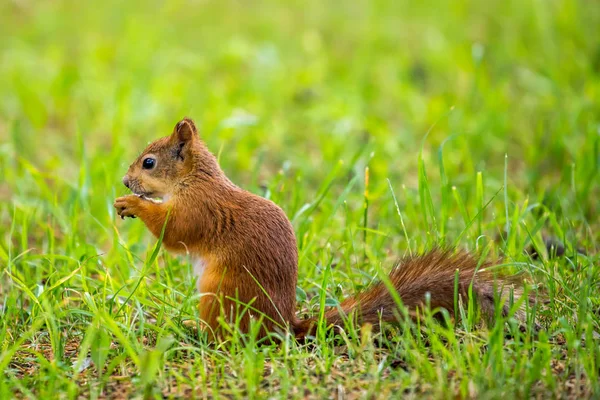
245,251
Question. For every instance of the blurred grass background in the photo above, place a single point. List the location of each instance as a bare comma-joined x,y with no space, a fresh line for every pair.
297,99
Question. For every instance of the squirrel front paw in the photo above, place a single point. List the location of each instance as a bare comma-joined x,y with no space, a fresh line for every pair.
128,206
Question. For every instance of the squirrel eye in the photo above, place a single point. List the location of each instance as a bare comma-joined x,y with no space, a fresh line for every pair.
148,163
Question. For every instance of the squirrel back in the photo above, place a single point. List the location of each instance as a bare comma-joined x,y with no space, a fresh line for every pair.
245,250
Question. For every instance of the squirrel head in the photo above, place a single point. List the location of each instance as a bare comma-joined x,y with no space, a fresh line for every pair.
171,162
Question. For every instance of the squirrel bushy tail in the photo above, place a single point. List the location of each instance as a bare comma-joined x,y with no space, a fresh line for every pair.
438,274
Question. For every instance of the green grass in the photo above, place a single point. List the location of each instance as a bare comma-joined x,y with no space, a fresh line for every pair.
298,100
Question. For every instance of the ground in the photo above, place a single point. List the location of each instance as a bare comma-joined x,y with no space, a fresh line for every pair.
382,128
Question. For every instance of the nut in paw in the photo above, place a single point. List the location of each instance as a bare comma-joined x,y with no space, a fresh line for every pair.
128,206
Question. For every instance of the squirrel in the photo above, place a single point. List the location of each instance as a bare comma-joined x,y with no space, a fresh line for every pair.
245,253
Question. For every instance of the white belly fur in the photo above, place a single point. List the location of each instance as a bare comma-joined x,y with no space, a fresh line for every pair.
199,267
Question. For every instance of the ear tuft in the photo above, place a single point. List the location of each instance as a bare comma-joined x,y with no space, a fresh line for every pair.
185,130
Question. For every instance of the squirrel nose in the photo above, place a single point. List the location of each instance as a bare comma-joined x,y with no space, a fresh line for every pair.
126,181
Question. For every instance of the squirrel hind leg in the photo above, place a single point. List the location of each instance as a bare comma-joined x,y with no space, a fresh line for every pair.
303,328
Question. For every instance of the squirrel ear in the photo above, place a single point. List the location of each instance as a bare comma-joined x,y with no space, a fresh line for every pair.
185,130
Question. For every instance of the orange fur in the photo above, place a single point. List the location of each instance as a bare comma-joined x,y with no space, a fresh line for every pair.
248,246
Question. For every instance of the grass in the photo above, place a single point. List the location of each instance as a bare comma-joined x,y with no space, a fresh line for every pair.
381,128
